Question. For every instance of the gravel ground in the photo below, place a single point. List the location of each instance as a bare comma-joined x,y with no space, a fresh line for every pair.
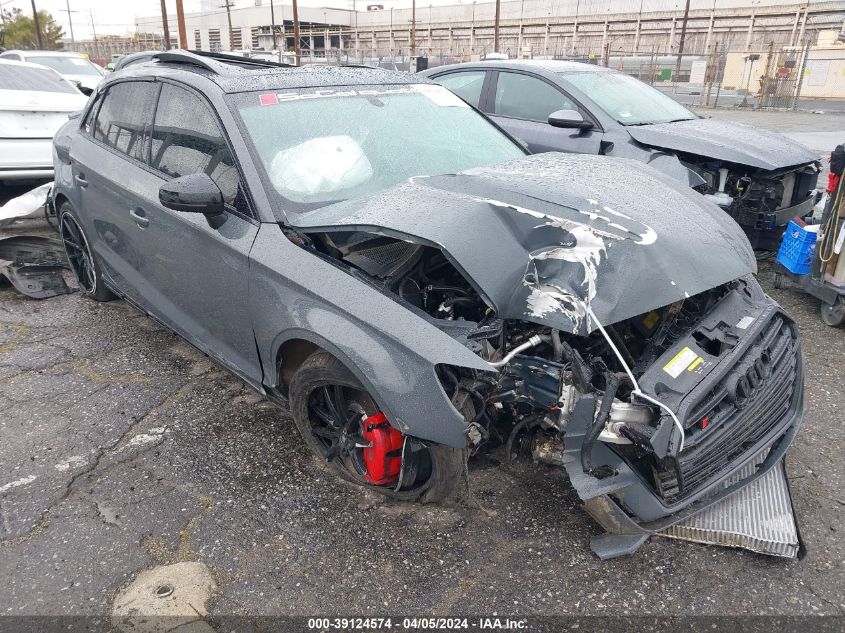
123,450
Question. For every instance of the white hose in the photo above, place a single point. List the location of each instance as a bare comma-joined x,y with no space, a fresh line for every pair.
637,391
531,342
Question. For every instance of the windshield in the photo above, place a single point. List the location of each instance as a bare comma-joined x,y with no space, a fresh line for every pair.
329,144
66,65
628,100
14,77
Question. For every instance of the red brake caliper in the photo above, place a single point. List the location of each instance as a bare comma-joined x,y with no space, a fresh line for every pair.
383,458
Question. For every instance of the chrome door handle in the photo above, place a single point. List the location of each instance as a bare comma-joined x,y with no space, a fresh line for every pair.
140,217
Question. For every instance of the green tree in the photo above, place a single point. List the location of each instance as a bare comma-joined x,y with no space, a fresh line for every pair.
19,30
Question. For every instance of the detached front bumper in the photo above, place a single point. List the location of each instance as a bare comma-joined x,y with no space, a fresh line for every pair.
726,468
726,517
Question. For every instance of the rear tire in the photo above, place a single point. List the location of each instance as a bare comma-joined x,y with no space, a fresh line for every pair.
81,258
321,379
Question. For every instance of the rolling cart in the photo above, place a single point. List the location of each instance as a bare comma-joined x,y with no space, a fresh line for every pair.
813,264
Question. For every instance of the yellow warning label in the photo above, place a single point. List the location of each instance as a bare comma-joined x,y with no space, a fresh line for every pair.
695,363
680,362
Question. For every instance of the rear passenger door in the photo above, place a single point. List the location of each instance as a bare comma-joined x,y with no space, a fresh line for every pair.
108,163
196,274
522,103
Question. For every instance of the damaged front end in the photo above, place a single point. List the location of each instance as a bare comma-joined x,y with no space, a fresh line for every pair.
761,201
760,178
625,335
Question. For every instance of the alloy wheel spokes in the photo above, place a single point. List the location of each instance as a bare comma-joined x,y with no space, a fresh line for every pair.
78,253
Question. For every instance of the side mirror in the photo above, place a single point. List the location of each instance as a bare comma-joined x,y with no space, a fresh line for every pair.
194,193
568,118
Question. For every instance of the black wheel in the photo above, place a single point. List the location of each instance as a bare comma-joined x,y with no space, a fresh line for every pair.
336,417
834,315
80,257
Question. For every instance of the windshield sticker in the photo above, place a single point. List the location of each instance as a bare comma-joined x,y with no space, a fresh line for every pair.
330,93
268,99
682,360
440,96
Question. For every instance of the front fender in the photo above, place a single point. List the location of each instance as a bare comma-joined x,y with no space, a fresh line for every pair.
296,295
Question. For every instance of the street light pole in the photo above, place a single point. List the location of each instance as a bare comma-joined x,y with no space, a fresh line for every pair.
70,22
575,27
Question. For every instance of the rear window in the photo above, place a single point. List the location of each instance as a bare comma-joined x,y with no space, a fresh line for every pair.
65,64
13,77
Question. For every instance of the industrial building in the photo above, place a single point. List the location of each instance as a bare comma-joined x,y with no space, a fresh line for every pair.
528,28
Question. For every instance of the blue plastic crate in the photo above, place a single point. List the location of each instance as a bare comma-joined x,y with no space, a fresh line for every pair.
797,248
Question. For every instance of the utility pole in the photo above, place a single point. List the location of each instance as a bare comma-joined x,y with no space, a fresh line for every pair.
38,37
413,29
296,45
681,42
164,25
574,28
228,6
496,27
94,32
70,22
273,25
180,23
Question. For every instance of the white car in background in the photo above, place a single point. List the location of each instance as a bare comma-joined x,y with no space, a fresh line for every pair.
74,67
34,103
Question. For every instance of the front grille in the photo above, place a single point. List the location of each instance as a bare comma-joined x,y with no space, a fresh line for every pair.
750,402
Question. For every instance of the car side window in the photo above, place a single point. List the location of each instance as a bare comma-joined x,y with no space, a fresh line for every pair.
467,84
187,139
526,97
12,56
124,118
91,115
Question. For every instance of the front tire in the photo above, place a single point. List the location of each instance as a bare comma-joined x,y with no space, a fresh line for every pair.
327,402
81,258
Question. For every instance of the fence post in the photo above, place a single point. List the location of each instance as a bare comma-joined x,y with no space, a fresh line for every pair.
797,93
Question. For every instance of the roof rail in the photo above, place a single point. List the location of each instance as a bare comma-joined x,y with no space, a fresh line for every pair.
213,61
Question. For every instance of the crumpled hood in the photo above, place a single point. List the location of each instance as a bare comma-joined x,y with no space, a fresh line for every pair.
724,140
544,237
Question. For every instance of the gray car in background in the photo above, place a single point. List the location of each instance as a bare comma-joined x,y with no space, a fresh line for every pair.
762,179
361,246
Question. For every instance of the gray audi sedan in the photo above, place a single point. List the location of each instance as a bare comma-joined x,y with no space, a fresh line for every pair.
762,179
362,247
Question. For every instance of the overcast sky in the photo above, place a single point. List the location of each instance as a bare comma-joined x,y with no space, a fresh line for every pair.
118,16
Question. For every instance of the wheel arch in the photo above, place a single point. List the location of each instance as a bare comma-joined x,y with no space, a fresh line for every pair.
437,421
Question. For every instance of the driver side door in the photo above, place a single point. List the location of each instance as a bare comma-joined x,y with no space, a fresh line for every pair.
197,271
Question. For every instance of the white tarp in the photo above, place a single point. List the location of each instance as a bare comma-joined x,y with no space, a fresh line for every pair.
30,204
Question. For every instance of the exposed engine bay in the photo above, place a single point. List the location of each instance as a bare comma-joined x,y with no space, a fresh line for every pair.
756,198
543,373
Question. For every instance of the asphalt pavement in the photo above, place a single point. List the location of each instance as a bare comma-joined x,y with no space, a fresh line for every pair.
125,452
